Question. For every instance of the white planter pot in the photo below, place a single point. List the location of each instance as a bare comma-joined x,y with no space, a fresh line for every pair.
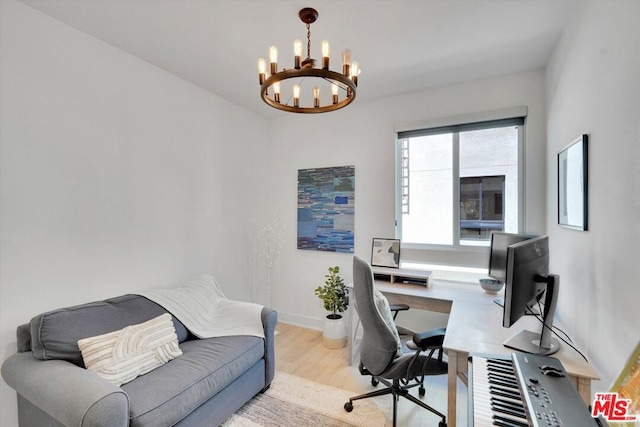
334,334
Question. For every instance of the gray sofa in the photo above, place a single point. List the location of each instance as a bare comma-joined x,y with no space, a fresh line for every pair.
211,380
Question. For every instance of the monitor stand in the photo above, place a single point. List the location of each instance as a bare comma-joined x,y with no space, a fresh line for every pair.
529,342
542,343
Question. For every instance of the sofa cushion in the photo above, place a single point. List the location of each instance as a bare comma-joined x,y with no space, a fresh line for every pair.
122,355
182,385
55,334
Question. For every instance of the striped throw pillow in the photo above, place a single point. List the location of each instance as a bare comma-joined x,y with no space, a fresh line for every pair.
123,355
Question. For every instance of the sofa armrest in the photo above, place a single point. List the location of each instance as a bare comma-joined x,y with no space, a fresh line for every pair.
72,395
269,321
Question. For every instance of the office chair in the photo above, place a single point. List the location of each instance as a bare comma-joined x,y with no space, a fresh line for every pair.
382,353
406,336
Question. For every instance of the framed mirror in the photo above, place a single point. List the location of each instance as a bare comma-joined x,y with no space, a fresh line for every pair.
572,185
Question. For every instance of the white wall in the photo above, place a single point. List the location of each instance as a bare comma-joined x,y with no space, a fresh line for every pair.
593,88
363,135
115,176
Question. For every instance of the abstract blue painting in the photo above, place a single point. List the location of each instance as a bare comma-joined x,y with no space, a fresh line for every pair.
326,199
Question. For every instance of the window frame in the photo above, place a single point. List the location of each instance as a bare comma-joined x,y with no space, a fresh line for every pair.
511,117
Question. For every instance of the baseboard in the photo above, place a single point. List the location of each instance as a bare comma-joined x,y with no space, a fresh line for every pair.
304,321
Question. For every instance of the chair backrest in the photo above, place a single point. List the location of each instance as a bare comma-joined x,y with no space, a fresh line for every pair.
379,345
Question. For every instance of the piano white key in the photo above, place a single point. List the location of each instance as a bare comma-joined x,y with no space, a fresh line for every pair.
482,415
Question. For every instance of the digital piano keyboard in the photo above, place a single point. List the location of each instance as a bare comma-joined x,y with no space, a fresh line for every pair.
522,391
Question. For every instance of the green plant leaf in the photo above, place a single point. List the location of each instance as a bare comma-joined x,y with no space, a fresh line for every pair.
334,293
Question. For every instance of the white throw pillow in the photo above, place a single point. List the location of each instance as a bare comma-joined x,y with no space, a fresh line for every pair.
383,307
123,355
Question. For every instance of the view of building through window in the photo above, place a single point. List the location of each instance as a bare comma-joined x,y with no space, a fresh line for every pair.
456,187
481,206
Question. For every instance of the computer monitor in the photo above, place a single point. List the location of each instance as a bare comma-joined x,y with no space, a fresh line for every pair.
500,242
527,279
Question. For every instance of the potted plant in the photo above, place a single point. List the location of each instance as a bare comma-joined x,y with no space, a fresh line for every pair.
335,300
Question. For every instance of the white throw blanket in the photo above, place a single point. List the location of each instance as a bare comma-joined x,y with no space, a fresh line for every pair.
204,310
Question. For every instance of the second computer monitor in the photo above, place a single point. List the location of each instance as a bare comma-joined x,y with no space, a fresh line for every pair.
500,242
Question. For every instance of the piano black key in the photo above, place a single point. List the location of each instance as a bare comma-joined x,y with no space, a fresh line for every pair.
509,410
514,404
504,392
498,423
503,384
508,422
500,362
503,379
509,375
500,370
506,377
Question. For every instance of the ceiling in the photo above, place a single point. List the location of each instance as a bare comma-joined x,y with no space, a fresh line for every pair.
401,45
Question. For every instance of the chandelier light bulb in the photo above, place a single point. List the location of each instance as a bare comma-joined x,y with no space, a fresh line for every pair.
262,69
346,56
297,47
276,92
346,62
297,53
334,93
316,97
273,59
296,95
325,48
355,70
325,55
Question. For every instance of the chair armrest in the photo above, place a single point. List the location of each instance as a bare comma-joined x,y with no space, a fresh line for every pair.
269,321
398,307
429,339
72,395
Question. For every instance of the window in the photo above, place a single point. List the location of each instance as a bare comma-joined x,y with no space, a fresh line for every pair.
458,183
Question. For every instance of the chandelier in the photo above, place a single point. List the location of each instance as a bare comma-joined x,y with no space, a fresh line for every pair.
340,86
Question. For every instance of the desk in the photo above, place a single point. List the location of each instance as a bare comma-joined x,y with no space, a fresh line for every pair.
474,326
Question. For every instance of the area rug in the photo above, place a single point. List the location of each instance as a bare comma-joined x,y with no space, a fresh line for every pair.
295,401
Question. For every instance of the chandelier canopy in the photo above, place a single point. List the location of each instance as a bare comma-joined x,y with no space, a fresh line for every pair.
340,86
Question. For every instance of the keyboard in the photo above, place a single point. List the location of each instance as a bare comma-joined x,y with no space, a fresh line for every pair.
523,390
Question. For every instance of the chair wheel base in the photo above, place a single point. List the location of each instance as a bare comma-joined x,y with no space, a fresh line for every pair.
422,392
349,407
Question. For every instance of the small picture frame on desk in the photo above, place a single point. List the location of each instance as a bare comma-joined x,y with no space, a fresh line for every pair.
385,253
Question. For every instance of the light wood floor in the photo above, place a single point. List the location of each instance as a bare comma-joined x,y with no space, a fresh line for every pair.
299,351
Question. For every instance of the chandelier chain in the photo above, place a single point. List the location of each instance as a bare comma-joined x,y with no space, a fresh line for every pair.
308,40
